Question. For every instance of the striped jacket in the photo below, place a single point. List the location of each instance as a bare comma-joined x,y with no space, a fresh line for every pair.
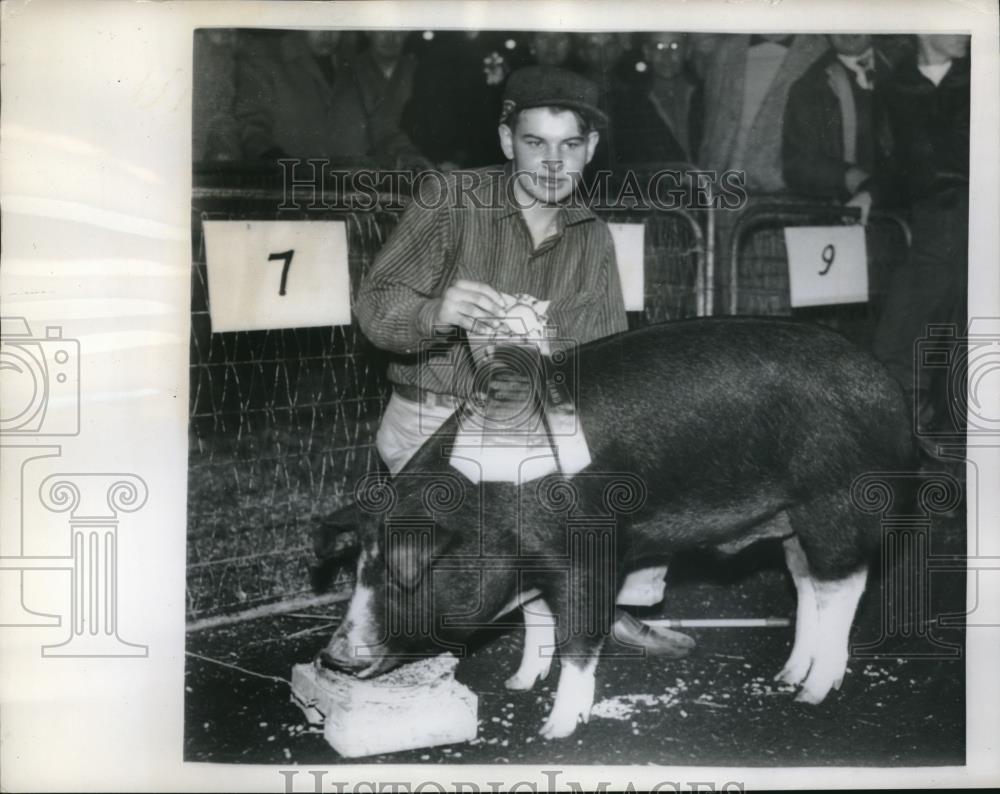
468,226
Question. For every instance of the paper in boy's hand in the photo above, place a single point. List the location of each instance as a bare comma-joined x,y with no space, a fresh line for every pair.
524,317
526,427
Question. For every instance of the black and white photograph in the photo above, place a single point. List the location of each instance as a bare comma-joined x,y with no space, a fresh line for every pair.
523,391
474,476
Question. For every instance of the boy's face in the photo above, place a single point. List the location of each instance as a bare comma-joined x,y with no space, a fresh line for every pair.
549,150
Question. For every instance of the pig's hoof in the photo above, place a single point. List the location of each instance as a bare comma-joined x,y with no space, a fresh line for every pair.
795,670
821,679
523,681
520,682
812,696
815,689
528,673
559,726
792,675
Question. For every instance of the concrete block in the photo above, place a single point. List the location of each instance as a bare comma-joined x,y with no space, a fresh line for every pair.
417,705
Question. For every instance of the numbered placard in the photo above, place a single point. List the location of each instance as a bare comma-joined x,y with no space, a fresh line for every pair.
629,242
827,265
277,274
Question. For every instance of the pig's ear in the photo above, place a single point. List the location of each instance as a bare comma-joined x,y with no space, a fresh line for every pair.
335,544
337,533
335,541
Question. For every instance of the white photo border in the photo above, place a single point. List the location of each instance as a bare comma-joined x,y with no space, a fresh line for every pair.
95,175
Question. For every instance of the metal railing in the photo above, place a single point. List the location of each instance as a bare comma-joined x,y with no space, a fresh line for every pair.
757,261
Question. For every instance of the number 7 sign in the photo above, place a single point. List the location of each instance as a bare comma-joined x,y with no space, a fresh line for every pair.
277,274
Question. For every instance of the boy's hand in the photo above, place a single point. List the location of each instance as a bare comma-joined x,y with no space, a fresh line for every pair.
466,302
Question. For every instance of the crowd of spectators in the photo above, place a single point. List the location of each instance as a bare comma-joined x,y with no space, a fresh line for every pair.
867,121
432,98
795,113
776,107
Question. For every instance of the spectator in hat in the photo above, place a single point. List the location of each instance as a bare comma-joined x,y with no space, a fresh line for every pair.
836,139
446,267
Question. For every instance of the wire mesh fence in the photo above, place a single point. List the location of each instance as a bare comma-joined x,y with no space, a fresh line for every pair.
756,273
673,264
282,422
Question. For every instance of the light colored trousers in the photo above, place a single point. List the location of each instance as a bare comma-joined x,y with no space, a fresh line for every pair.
406,425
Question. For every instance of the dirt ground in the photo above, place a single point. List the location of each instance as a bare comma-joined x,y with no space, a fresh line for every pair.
719,706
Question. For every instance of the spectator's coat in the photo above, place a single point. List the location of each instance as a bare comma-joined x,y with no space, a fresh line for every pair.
286,106
724,88
814,138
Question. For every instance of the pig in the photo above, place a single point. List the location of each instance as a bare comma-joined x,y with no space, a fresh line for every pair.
715,432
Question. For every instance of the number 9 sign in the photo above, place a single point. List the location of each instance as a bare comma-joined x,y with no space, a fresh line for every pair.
827,265
277,274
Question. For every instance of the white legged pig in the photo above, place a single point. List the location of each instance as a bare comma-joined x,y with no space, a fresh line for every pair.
715,432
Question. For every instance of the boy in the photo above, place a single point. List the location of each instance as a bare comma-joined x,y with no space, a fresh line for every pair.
469,237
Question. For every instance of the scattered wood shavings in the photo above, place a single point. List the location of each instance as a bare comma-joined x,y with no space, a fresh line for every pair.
710,704
622,707
760,687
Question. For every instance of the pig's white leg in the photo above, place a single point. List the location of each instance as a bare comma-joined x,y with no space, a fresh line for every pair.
574,697
359,622
837,601
807,623
519,600
644,587
539,645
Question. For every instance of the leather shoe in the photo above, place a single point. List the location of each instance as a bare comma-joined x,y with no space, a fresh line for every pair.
656,641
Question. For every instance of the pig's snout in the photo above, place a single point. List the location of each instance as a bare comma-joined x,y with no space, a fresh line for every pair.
341,654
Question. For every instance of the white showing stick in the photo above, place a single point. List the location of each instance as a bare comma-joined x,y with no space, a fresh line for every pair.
719,623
